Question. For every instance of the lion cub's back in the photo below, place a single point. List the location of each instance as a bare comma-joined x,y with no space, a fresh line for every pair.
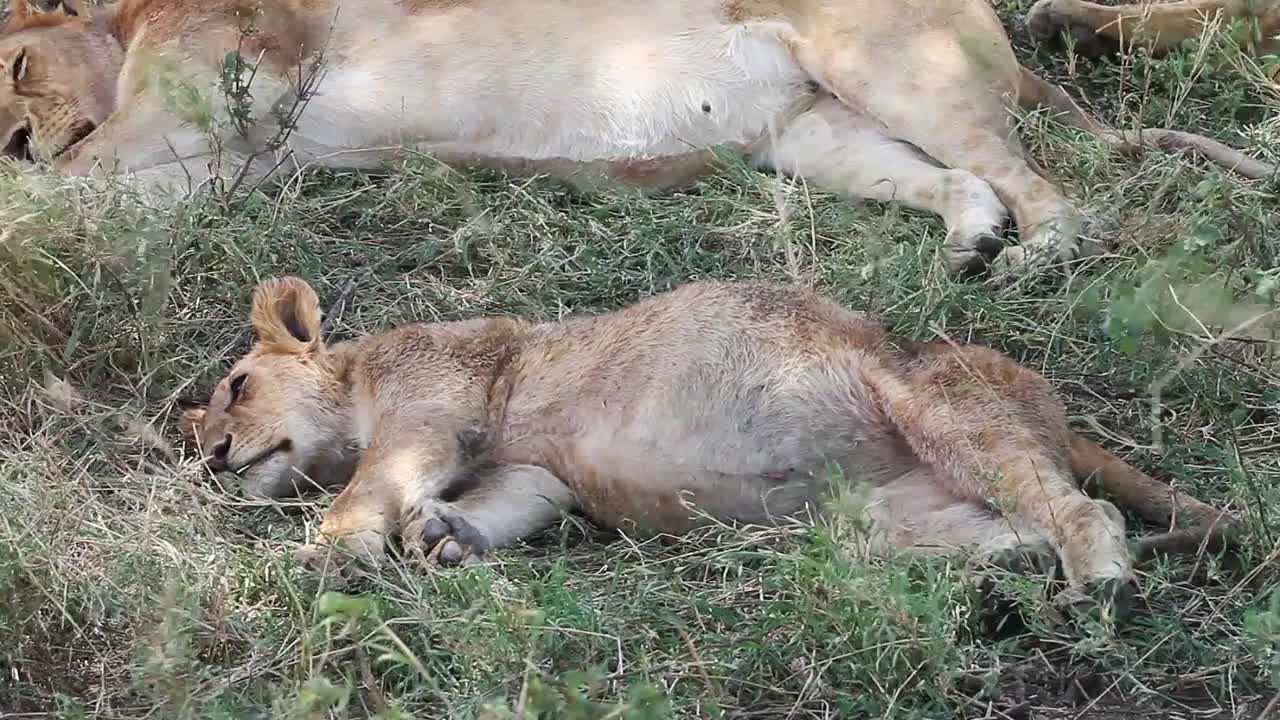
721,389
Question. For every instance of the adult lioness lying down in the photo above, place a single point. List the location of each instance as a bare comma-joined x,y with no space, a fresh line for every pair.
727,399
882,99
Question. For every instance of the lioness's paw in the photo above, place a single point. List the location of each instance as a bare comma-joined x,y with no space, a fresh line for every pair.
1021,259
1053,242
990,569
972,255
1048,20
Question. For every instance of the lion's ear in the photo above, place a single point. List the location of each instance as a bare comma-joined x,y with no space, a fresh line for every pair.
286,315
71,8
22,11
191,419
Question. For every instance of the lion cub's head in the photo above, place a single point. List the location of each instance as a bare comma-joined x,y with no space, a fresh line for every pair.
280,418
58,71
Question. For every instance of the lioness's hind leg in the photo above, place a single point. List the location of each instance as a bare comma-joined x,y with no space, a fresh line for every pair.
834,147
1100,29
500,506
946,88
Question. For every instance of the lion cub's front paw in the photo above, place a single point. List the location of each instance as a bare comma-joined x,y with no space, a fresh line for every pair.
343,556
443,535
324,559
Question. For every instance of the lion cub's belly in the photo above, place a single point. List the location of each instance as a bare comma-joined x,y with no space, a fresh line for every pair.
641,88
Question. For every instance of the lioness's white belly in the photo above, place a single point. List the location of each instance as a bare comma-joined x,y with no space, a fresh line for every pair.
471,83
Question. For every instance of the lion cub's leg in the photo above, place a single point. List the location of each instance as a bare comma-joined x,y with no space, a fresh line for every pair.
358,523
1100,29
499,506
838,149
995,433
946,90
390,477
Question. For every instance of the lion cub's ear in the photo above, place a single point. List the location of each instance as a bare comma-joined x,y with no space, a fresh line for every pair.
286,315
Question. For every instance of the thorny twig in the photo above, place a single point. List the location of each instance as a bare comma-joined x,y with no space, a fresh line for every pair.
286,118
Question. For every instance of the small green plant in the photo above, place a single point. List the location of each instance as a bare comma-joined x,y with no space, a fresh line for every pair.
1262,627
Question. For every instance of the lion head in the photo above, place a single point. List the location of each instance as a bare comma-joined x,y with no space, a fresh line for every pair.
279,419
58,71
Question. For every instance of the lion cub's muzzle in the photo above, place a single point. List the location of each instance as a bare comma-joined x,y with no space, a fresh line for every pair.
81,130
19,145
219,458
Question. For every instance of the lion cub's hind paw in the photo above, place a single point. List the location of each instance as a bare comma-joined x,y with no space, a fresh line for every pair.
994,573
1036,558
1118,596
456,538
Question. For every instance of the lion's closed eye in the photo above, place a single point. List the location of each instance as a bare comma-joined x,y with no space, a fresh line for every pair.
237,388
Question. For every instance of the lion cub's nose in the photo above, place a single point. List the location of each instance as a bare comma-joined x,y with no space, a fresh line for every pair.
220,452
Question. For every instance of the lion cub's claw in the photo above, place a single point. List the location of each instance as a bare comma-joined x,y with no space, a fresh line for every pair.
326,560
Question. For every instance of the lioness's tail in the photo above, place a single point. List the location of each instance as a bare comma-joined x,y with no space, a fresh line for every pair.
1035,92
1202,524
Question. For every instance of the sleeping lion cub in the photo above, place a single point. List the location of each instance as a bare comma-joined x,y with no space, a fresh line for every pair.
729,399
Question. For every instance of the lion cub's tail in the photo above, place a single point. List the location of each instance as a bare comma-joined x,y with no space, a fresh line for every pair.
1035,92
1203,525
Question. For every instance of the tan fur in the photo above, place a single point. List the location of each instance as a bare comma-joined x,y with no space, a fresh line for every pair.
728,399
1158,26
881,99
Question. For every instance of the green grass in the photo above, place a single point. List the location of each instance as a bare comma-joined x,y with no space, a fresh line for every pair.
131,585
